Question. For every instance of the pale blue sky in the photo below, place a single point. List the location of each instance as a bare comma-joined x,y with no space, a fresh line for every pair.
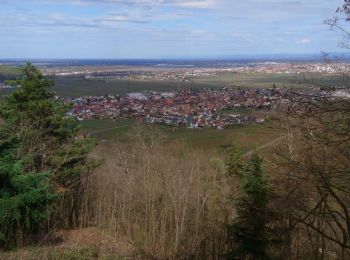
164,28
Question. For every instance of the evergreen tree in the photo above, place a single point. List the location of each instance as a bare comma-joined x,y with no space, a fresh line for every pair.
234,163
25,199
40,155
46,134
249,230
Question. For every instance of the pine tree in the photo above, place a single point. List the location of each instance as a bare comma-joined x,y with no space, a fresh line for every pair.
235,162
41,156
45,133
249,230
25,199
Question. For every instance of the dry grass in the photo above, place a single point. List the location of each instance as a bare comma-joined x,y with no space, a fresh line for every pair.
89,243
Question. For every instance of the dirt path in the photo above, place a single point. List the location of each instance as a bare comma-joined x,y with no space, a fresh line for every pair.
273,142
105,130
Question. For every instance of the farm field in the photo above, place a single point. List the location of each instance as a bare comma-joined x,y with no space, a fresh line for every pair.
9,70
247,138
267,80
78,86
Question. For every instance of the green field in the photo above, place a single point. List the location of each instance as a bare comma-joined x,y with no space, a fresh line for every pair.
78,86
256,80
246,137
106,129
9,70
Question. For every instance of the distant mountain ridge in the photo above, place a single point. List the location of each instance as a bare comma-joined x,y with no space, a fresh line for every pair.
217,61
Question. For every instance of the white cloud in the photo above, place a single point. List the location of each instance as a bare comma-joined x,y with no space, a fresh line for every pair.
186,4
193,4
304,41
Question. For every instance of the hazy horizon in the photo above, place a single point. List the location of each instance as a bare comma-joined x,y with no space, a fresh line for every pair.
277,56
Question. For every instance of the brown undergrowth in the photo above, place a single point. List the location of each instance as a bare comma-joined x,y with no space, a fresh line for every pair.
167,201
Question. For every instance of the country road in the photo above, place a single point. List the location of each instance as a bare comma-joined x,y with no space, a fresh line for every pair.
273,142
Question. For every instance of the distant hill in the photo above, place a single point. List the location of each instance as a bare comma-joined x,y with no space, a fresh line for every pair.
185,61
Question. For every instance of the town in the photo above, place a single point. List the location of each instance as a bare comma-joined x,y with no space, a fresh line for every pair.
5,86
189,108
186,73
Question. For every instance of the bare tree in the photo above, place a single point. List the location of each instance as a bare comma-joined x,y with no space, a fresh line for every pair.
339,22
314,165
316,162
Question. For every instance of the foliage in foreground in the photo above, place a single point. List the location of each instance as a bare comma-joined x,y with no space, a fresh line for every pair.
41,161
249,231
24,198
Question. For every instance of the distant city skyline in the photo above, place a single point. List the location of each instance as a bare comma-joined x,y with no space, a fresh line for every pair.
122,29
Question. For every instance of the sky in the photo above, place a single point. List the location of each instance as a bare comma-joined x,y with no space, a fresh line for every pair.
131,29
